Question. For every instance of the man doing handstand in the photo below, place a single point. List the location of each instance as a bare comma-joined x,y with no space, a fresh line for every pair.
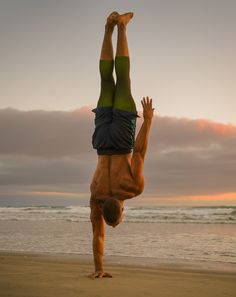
119,172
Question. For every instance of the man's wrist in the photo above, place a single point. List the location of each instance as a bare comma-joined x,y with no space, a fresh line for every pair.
98,268
98,264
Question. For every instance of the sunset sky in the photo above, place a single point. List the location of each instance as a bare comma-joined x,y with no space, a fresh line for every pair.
182,55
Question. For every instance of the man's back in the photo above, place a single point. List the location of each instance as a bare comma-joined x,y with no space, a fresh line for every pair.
114,178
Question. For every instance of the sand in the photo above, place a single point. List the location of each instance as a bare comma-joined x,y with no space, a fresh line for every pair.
32,275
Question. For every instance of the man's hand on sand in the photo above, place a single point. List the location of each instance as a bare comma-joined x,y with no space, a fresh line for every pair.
99,274
147,108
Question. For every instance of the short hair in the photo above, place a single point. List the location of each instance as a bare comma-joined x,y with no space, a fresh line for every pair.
111,210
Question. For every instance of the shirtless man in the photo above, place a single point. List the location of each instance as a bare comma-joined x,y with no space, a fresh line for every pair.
119,172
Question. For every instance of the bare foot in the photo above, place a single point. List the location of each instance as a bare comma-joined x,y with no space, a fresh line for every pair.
124,18
112,20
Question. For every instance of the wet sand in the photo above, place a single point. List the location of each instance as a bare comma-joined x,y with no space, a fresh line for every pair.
24,274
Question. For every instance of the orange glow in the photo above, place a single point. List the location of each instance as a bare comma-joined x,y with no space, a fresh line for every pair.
218,128
190,200
223,129
55,194
221,196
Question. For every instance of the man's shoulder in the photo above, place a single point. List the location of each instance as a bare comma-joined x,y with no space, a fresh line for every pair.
97,200
94,199
96,209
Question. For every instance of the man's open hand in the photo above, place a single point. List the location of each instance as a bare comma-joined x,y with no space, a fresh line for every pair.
147,108
99,274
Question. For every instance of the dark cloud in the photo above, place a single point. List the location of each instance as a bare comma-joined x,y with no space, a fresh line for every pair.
51,151
45,133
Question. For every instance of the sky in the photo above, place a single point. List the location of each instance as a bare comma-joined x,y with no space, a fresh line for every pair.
182,55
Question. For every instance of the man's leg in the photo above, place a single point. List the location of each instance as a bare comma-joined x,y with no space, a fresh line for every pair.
104,115
106,65
123,98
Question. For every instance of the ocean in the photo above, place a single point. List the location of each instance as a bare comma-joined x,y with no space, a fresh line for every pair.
171,233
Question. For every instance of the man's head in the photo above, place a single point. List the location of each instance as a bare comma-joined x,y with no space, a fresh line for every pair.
112,211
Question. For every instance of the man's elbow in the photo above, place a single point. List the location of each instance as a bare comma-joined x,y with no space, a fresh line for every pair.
99,238
99,235
98,241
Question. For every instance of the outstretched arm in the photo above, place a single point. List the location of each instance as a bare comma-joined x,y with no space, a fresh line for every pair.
143,135
141,142
136,186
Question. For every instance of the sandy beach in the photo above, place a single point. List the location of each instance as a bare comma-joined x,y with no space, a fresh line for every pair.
24,274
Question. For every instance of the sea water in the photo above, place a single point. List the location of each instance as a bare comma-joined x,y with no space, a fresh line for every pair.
178,233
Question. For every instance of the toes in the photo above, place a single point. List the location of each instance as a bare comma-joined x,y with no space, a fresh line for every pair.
113,17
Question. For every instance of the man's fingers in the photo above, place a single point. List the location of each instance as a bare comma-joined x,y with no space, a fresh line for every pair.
146,102
95,275
99,275
92,276
106,274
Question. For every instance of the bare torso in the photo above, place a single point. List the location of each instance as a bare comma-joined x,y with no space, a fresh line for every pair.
114,178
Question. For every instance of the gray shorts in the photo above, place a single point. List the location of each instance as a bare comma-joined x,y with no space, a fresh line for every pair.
114,131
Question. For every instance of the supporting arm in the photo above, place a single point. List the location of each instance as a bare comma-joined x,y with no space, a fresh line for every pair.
98,240
98,243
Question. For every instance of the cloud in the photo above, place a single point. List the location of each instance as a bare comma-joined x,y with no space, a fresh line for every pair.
50,151
191,157
45,133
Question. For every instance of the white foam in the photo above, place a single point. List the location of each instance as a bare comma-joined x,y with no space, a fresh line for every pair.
207,215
